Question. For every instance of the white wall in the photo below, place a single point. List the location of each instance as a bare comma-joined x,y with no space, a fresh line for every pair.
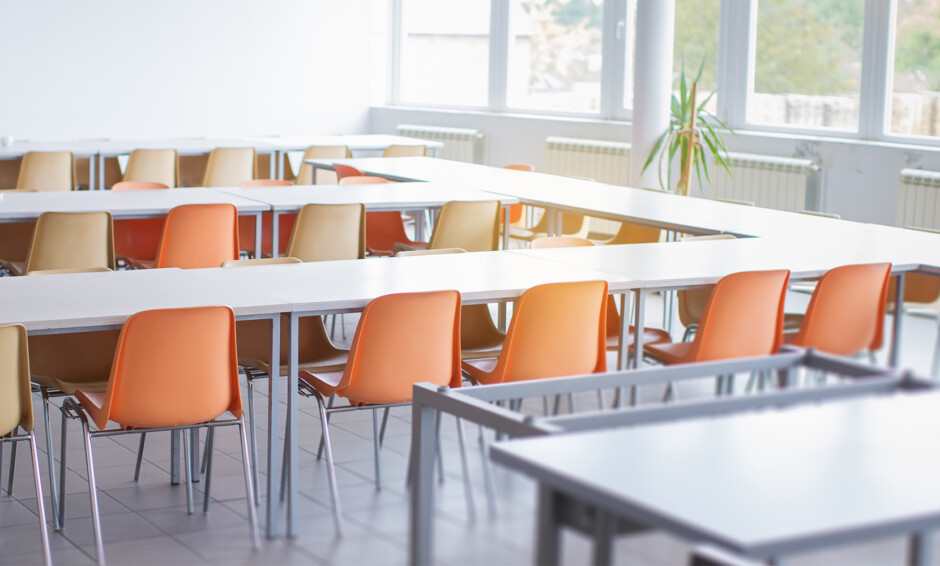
165,68
859,179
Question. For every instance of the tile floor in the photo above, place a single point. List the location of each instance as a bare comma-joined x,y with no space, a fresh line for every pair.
145,522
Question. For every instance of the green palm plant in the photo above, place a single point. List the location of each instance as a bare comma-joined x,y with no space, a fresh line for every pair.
693,134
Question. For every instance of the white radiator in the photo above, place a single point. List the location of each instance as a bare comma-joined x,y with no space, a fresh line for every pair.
918,199
603,161
782,183
460,144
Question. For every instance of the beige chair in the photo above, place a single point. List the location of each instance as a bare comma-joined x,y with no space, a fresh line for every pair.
405,151
571,225
16,411
229,167
47,171
469,225
326,232
69,240
305,175
153,165
479,336
632,234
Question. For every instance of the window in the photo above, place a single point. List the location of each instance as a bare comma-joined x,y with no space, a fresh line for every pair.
914,104
696,45
444,57
555,55
808,61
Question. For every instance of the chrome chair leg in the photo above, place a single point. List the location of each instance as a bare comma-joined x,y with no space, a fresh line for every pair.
44,532
207,485
376,449
247,464
188,471
12,470
92,490
140,455
252,432
329,405
331,471
63,451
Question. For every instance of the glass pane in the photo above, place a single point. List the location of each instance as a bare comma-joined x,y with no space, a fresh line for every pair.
697,43
445,52
630,62
915,100
555,60
808,63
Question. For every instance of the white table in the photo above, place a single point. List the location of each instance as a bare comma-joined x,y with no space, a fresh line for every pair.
356,143
763,485
348,286
378,197
100,301
16,207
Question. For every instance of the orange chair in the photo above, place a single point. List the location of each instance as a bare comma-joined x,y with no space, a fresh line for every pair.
743,318
174,369
198,235
846,313
16,411
137,237
346,171
401,340
516,210
558,329
285,223
384,228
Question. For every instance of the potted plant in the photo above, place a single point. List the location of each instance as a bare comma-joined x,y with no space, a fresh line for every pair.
693,134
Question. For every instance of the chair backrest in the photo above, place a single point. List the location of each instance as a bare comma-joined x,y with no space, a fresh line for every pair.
401,340
155,165
199,235
468,225
743,317
138,186
346,171
846,312
173,367
405,151
16,405
229,167
266,183
259,261
47,171
560,242
65,240
305,175
362,180
634,234
557,329
692,301
326,232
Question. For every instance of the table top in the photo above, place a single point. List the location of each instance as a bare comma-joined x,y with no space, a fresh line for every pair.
80,300
384,196
355,142
29,205
762,484
350,285
19,148
187,146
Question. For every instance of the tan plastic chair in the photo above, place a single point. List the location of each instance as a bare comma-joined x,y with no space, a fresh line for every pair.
405,151
229,167
479,336
16,411
472,226
326,232
47,171
572,225
154,165
633,234
69,240
305,175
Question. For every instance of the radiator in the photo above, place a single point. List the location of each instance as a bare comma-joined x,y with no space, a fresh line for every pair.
602,161
918,199
782,183
460,144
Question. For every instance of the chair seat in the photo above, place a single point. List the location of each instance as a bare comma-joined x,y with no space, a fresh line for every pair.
673,353
480,370
330,361
521,233
325,382
70,387
650,336
402,247
94,404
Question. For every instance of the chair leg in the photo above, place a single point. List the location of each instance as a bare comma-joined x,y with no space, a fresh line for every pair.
375,450
249,490
252,433
285,463
140,455
331,471
384,424
329,405
207,486
440,454
34,453
50,459
12,470
188,471
63,451
92,491
465,467
488,484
